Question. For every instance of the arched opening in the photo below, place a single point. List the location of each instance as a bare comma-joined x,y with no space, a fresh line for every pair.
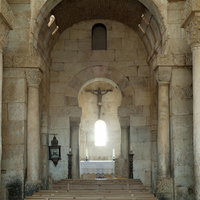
100,133
99,37
99,136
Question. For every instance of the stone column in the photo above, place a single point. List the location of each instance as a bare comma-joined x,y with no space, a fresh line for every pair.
163,78
74,144
6,23
34,77
191,23
125,129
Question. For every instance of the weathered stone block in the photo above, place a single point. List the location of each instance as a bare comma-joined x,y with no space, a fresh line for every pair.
139,83
54,77
14,90
164,188
60,45
181,77
144,71
13,73
182,127
84,44
142,98
114,44
13,157
79,34
58,88
57,99
182,107
17,111
64,56
138,121
13,132
71,45
57,66
125,55
4,112
97,55
141,134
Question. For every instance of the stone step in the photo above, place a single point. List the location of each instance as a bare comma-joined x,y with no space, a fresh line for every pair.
90,198
112,189
93,194
98,187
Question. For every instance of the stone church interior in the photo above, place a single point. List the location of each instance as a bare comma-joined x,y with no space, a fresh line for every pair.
100,97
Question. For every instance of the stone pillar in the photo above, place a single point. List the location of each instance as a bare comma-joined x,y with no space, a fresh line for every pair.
196,116
6,23
163,78
34,77
74,142
191,23
125,129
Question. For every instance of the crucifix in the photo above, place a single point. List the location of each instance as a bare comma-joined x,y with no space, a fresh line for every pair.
99,93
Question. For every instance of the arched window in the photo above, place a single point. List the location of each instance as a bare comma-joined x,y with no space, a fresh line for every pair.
99,37
100,133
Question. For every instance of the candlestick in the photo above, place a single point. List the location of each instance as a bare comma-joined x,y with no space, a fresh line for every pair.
86,152
113,152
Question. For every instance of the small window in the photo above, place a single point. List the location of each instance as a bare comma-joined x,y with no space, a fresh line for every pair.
100,133
51,20
99,37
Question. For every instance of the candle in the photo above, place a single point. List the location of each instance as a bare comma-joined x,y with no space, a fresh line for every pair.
113,152
70,150
87,152
131,149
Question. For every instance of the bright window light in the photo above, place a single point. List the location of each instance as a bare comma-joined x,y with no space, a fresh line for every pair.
100,133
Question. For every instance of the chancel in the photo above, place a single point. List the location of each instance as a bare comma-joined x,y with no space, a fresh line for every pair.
104,75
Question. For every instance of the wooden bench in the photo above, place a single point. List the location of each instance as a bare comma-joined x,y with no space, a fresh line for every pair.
111,189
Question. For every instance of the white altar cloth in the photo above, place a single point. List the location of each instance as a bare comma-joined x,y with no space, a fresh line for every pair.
97,167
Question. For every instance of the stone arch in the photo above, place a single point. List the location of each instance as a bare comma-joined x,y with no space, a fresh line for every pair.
151,29
122,82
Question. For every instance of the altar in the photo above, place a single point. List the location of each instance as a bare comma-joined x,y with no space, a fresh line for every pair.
97,169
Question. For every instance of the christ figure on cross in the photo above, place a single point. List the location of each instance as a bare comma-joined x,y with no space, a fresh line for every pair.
99,93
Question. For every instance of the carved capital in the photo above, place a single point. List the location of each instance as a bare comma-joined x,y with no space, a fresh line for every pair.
124,121
163,75
33,77
74,122
192,29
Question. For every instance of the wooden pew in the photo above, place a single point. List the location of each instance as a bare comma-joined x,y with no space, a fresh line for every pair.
111,189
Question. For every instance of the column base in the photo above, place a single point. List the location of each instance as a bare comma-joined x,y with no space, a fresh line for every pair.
164,188
31,187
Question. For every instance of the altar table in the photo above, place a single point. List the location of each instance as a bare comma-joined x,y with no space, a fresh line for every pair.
97,167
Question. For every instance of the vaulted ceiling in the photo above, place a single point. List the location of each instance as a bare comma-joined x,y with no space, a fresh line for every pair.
69,12
129,12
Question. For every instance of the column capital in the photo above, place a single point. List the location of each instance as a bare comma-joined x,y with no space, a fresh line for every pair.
6,22
74,121
33,77
124,121
163,75
191,21
192,30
